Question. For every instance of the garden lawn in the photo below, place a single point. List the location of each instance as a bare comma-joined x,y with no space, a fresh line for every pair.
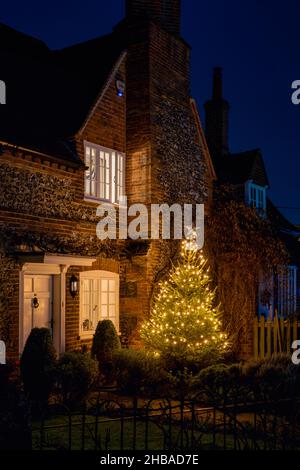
56,435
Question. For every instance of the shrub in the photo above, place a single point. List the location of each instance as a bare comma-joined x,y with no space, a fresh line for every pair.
252,367
15,432
139,372
274,377
219,375
5,373
105,342
38,364
181,383
76,374
190,364
260,379
219,382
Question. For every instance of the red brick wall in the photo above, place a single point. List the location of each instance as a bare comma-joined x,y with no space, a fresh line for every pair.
106,126
42,206
154,125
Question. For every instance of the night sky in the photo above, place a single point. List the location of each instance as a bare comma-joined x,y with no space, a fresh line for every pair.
256,42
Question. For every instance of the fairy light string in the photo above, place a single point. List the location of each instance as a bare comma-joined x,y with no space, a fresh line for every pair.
184,319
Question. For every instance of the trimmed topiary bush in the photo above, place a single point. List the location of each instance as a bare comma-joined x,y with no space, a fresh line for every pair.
105,343
76,374
38,365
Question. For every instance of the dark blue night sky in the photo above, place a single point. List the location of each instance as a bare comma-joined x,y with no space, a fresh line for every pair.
257,43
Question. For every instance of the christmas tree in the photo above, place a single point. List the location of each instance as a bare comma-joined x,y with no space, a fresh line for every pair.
185,323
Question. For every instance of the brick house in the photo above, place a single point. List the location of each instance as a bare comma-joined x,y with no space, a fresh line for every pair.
82,126
277,292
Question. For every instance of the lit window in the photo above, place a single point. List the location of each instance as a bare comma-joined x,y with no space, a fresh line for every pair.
105,173
99,300
256,196
287,290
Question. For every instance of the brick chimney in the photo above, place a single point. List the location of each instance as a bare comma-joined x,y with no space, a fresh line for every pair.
164,12
157,97
216,118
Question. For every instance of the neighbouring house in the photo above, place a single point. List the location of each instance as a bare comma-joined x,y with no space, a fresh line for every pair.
83,126
277,292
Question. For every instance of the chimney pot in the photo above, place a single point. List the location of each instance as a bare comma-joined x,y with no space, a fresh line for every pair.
218,83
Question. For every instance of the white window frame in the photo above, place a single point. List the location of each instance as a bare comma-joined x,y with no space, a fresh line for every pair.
109,183
256,196
98,276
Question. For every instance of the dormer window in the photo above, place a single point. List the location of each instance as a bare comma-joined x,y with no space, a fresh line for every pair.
105,173
256,196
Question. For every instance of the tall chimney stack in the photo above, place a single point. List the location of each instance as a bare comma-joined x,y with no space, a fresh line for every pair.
216,118
164,12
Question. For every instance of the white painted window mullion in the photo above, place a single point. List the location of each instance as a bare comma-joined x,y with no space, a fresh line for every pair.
107,166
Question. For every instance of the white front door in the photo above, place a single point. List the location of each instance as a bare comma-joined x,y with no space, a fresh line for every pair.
38,305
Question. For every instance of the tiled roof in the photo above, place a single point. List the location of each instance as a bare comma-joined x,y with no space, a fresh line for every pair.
50,93
240,167
279,219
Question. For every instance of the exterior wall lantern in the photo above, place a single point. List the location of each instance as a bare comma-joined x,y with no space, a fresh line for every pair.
74,286
120,85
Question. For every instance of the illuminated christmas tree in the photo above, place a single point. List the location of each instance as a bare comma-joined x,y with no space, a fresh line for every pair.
185,323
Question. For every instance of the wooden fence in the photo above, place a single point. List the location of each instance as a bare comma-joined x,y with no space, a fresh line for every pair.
274,336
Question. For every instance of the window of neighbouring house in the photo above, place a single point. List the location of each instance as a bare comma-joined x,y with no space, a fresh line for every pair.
256,196
266,295
287,290
105,173
99,300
